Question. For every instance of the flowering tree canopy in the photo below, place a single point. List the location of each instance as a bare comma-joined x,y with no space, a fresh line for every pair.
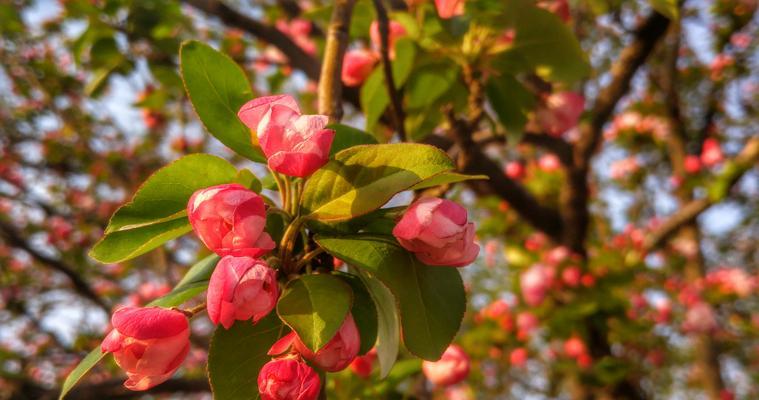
379,199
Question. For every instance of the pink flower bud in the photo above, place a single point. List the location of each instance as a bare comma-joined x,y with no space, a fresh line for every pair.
514,170
560,113
692,164
571,276
335,356
396,31
362,365
535,282
526,323
549,163
297,147
288,379
518,357
338,353
700,318
574,347
711,154
253,112
357,65
149,344
452,368
230,220
437,232
449,8
241,288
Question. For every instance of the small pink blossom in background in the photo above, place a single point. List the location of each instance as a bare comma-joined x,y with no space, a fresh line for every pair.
558,7
518,357
149,344
396,31
700,318
241,289
535,241
514,170
692,164
731,281
527,322
719,64
438,233
740,40
230,219
498,311
549,163
335,356
357,65
452,368
623,168
288,379
560,112
362,365
711,153
574,347
571,276
535,283
459,392
491,252
556,256
449,8
298,30
663,310
588,280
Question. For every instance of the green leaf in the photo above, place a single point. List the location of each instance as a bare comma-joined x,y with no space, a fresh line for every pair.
428,83
194,282
388,326
511,101
348,136
446,178
236,356
249,180
374,97
84,366
157,212
431,300
364,312
667,8
315,307
543,43
363,178
217,88
403,64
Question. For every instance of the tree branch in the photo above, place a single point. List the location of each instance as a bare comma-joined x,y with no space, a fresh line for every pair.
387,68
733,171
14,238
330,83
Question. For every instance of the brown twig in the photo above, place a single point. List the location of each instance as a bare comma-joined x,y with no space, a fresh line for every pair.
330,84
396,106
15,239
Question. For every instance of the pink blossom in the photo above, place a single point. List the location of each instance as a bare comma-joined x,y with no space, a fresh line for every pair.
449,8
549,163
518,357
560,112
288,379
558,7
711,153
437,232
514,170
535,283
149,344
357,66
395,32
335,356
230,220
241,288
452,368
